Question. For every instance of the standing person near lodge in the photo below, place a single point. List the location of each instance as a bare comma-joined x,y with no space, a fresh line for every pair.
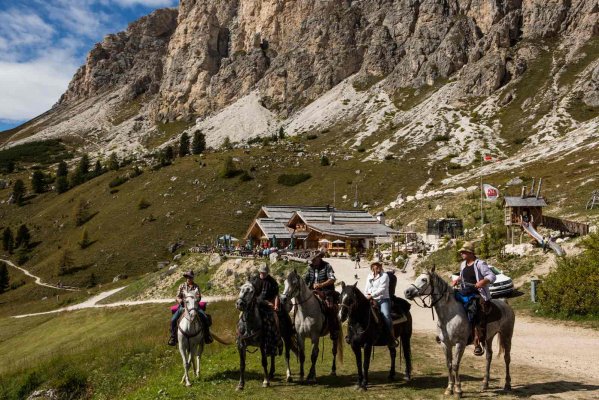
187,287
320,278
474,280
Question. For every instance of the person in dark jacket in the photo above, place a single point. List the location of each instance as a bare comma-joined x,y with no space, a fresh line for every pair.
320,277
267,296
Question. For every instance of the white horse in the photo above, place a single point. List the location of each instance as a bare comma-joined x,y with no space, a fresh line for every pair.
310,322
454,329
191,336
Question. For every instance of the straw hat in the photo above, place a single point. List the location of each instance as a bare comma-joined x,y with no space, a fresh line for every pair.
468,247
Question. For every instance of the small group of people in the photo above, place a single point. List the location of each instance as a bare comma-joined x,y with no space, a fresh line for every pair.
472,283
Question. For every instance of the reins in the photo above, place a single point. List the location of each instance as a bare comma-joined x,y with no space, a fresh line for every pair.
431,296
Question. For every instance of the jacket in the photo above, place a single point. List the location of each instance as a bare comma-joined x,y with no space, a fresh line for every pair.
377,287
482,271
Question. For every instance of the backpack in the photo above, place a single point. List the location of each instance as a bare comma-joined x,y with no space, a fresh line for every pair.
392,283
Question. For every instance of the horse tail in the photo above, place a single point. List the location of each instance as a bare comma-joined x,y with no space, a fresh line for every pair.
340,344
293,344
220,340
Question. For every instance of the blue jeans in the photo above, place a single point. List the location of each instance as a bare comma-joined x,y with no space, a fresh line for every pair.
385,305
177,315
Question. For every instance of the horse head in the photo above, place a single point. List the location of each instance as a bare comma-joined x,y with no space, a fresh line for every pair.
422,286
191,303
246,296
292,285
349,300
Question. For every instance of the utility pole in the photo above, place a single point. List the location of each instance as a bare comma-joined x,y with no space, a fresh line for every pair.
482,218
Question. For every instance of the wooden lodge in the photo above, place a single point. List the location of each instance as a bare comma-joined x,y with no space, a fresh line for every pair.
301,227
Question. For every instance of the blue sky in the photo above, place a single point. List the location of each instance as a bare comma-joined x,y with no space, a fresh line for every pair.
43,42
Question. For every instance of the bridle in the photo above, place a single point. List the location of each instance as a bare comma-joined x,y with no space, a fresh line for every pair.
188,316
351,308
248,306
431,296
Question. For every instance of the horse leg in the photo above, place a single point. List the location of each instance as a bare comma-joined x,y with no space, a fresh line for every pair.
271,373
185,355
459,352
367,355
358,353
198,357
313,359
507,347
301,344
266,381
448,361
392,355
242,349
287,356
334,367
489,357
407,354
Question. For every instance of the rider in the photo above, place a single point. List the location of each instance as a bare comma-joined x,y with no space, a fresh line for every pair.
320,277
479,276
186,287
377,289
267,290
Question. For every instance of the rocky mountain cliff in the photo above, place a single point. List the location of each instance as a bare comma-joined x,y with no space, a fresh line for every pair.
394,75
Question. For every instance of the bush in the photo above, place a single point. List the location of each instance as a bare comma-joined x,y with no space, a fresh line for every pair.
143,204
324,161
441,138
228,169
293,179
361,149
245,177
311,137
118,181
572,289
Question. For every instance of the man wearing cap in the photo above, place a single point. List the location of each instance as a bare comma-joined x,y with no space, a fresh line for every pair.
377,289
474,280
321,278
186,287
267,290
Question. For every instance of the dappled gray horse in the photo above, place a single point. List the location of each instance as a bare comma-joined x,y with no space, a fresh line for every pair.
191,336
454,329
310,322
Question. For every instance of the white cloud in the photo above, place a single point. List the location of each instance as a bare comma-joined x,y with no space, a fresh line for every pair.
31,88
146,3
22,28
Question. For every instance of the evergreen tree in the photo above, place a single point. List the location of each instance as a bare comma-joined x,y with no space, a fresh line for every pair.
281,133
38,181
184,145
62,169
324,161
98,170
83,166
62,184
4,278
80,214
198,145
64,263
169,153
93,281
228,169
113,162
8,240
18,192
85,242
226,144
23,237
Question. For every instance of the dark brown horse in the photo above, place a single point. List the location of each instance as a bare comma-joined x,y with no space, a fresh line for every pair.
366,328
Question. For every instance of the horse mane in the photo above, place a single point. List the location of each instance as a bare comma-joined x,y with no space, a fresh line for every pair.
443,285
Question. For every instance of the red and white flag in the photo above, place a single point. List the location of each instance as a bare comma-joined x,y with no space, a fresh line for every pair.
488,157
491,192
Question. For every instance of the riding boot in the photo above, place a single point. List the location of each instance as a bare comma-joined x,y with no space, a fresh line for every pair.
172,341
206,322
478,349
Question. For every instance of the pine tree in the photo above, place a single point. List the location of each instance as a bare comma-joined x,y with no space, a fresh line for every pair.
228,169
4,278
281,133
83,166
324,161
198,144
85,242
98,170
62,169
64,263
81,214
169,153
38,181
62,184
23,237
8,240
18,192
226,144
113,162
184,145
93,281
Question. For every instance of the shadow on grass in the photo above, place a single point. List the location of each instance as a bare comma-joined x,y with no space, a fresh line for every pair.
233,374
548,388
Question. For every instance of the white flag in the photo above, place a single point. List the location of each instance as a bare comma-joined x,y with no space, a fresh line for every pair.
491,193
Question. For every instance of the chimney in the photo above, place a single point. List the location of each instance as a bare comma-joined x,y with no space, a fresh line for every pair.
332,218
539,188
532,188
380,217
523,194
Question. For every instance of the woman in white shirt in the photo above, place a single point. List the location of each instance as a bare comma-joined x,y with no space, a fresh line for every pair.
377,288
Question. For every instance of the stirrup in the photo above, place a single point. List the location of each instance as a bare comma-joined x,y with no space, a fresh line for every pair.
478,350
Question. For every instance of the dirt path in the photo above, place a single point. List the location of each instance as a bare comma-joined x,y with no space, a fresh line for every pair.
38,280
565,350
92,302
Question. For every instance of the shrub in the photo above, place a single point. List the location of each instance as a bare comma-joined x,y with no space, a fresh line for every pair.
389,157
43,152
38,181
245,177
228,169
311,137
18,192
324,161
184,145
226,144
118,181
198,144
143,204
441,138
361,149
293,179
573,287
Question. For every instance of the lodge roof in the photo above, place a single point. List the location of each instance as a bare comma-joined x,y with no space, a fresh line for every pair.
517,201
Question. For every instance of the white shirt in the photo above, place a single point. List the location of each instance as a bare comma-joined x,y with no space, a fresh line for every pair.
377,287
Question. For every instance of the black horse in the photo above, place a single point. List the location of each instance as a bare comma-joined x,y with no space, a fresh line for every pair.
251,331
366,328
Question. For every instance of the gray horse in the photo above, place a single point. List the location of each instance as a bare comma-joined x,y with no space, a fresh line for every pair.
310,322
454,329
191,336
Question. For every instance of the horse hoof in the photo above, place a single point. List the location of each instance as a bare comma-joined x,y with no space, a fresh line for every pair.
448,392
265,384
289,379
187,384
458,395
507,387
363,388
407,378
333,373
391,377
239,388
484,387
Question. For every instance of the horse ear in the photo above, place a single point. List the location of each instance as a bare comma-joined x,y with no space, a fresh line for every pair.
434,268
356,284
295,270
342,285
